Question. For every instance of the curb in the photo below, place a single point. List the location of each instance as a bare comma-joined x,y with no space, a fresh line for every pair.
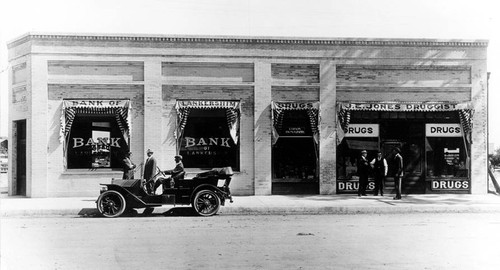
324,210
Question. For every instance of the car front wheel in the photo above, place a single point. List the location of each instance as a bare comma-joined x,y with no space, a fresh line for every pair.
111,204
206,203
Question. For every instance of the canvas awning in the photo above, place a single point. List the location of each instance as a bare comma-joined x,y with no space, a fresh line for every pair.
278,111
232,112
119,108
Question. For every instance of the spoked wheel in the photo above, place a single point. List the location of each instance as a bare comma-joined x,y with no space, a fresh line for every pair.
111,204
206,203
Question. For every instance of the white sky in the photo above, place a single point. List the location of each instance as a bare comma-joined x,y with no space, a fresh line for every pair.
443,19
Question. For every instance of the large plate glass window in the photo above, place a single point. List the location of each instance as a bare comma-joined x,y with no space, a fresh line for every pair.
207,133
95,133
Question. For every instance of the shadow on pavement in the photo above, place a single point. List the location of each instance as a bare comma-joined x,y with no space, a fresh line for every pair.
173,212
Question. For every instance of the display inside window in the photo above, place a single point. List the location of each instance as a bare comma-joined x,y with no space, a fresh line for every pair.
294,160
207,142
446,157
348,153
95,142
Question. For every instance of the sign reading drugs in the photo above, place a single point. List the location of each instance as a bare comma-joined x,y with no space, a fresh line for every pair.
445,184
443,130
362,130
352,186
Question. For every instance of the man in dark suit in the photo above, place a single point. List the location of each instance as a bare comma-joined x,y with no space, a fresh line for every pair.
149,170
176,173
398,172
128,167
379,165
363,171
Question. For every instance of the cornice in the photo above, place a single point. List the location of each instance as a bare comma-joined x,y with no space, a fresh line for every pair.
248,40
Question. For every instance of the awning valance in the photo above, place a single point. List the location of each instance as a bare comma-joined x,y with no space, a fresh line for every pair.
232,108
119,108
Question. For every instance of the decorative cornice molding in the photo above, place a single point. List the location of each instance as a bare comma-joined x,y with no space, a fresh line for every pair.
250,40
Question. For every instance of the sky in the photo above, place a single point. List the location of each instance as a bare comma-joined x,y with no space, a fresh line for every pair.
441,19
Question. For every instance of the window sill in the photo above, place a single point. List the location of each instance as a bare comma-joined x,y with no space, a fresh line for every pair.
93,171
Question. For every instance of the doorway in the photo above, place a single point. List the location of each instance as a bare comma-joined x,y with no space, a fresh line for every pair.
19,153
408,137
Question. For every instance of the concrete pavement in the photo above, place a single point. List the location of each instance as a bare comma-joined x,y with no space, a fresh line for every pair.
12,206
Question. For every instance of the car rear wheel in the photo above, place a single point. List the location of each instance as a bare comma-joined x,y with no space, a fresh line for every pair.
206,203
111,204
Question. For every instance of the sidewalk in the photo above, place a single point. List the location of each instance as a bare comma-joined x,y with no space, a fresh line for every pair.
274,205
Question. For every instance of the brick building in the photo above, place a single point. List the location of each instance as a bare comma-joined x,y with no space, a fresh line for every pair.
290,115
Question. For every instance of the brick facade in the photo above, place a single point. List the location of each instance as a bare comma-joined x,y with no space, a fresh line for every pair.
155,71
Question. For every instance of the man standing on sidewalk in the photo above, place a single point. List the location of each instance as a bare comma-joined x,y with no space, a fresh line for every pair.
398,172
379,165
128,167
149,171
363,171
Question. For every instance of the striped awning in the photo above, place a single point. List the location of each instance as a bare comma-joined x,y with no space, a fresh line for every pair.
119,108
232,107
278,111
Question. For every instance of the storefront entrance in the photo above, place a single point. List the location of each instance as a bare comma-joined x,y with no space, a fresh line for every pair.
433,140
407,136
20,157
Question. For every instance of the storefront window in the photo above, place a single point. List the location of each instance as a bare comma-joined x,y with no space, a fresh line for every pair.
95,133
295,148
293,153
446,157
348,153
95,142
207,142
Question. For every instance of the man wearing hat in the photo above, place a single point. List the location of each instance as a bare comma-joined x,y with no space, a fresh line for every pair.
363,171
398,172
149,170
176,173
379,165
128,167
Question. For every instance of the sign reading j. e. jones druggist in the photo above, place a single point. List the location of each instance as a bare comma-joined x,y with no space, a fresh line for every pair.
443,130
362,130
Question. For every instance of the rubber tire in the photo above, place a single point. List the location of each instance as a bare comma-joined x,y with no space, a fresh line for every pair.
111,204
206,203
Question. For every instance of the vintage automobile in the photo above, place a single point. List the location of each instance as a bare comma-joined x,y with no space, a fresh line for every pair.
206,192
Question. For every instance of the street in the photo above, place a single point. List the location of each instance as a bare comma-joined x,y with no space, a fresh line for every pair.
394,241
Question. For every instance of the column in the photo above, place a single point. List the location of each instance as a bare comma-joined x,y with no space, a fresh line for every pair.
37,138
262,128
327,129
153,108
479,147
